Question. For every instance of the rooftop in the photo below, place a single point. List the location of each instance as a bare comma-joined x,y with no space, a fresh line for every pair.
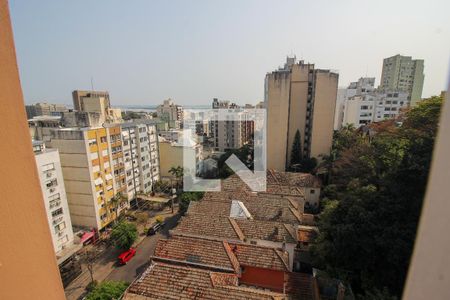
218,254
236,229
164,281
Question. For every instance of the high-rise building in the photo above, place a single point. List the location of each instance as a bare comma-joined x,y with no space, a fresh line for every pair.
230,134
360,103
94,173
170,112
96,102
403,74
141,157
299,97
55,199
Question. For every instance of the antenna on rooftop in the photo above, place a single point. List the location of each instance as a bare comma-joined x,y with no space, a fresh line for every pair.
92,83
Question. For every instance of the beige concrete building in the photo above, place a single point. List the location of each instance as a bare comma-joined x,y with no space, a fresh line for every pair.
172,153
93,169
44,109
299,97
96,102
403,74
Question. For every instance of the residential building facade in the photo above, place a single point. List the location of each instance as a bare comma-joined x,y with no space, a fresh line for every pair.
55,199
403,74
141,158
230,134
44,109
299,97
363,104
94,173
172,154
96,102
171,112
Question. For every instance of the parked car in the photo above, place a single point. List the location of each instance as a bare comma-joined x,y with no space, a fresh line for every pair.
126,256
155,228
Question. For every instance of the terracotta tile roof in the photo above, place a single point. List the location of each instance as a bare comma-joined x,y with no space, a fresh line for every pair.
261,257
300,286
292,179
194,250
259,209
265,230
220,254
205,226
222,227
164,281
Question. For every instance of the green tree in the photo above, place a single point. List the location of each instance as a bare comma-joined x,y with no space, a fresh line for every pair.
115,201
369,220
244,154
296,153
186,198
124,234
107,290
178,173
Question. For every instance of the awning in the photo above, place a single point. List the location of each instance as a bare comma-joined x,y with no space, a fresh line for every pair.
86,236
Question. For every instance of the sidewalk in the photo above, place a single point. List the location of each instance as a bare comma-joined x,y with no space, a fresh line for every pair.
104,264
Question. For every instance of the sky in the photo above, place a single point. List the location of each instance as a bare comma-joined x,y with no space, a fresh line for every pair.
143,52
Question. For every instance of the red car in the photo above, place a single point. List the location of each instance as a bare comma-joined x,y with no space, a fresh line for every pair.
126,256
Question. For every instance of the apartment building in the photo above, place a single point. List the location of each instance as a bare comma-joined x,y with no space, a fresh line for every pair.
363,104
55,200
171,112
96,102
299,97
403,74
230,134
172,154
94,173
44,109
141,157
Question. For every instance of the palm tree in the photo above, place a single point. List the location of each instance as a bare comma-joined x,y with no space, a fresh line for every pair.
115,201
177,172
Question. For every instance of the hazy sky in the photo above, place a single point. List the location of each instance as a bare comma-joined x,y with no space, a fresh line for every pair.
192,51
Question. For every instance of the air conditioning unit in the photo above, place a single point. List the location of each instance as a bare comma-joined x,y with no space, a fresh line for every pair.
52,190
49,174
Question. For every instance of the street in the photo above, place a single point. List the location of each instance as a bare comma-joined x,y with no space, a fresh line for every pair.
107,268
144,251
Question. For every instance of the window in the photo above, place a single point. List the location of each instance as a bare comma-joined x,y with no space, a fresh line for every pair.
57,212
54,197
312,191
51,183
103,139
60,226
48,167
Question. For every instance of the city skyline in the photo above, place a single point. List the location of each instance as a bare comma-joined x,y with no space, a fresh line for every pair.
148,52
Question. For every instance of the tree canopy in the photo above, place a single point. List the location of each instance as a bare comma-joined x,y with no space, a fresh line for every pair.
124,234
107,290
296,153
373,202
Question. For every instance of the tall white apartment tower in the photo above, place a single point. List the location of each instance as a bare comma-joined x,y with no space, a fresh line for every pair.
55,199
141,156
